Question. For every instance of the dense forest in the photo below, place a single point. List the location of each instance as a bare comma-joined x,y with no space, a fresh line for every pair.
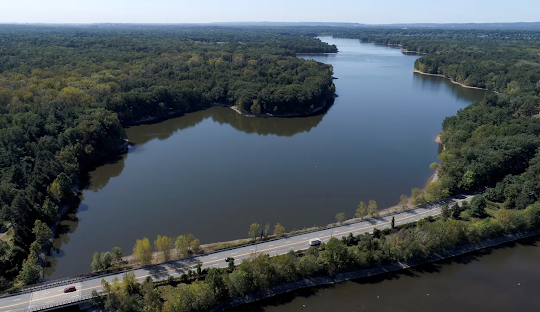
491,147
67,92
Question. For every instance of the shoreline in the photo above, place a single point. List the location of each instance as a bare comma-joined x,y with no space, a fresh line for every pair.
454,82
359,274
318,53
63,208
316,111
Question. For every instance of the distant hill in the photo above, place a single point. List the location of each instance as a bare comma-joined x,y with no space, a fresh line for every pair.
505,26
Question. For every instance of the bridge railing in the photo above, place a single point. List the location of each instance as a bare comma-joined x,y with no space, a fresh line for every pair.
84,277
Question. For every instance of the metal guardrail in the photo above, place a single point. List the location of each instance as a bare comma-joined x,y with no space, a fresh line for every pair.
57,304
85,277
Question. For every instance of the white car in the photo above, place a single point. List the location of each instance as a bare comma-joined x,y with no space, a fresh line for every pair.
314,242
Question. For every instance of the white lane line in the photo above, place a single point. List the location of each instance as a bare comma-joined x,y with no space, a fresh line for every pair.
214,257
46,293
74,296
287,242
49,301
233,253
252,249
271,245
17,299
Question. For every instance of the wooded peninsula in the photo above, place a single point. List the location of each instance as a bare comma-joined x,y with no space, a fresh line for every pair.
67,92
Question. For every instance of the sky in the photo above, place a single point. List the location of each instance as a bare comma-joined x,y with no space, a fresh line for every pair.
207,11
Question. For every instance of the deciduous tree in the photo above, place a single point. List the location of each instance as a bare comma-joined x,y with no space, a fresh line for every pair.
142,251
254,230
279,230
373,209
361,211
340,217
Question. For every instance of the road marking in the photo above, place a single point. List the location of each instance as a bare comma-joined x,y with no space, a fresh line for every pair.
287,242
233,253
271,245
46,293
49,301
214,257
246,254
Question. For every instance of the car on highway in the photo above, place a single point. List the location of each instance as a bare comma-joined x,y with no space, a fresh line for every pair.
70,289
229,259
314,242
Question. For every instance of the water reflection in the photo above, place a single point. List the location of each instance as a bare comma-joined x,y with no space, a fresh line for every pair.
214,172
441,84
262,126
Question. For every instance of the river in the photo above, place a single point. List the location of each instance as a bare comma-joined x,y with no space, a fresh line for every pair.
213,172
505,278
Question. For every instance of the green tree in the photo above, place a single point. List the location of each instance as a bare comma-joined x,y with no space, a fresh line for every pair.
42,233
231,265
456,211
30,271
279,230
254,230
164,245
393,223
446,212
216,283
403,202
152,302
417,197
361,211
106,260
340,217
61,187
96,262
182,246
117,254
435,191
142,251
477,207
266,230
195,246
373,209
48,211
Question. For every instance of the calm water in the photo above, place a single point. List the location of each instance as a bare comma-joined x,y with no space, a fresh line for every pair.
213,172
503,279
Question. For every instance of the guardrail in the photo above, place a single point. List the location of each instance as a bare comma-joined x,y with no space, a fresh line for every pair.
57,304
85,277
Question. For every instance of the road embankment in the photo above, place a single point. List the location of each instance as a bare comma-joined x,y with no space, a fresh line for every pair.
398,266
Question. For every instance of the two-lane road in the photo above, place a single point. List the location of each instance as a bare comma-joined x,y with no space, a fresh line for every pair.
43,298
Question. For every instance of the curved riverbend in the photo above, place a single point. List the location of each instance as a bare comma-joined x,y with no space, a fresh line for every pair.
214,172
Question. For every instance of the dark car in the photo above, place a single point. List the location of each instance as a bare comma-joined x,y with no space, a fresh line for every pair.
229,259
70,289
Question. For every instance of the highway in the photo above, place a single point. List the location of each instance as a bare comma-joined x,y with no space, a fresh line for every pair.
43,299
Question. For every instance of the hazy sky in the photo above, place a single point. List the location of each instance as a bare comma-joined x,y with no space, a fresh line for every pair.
204,11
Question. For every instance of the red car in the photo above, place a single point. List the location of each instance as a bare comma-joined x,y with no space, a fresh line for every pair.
70,289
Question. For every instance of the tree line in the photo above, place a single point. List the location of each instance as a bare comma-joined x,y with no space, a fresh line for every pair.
208,288
67,93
